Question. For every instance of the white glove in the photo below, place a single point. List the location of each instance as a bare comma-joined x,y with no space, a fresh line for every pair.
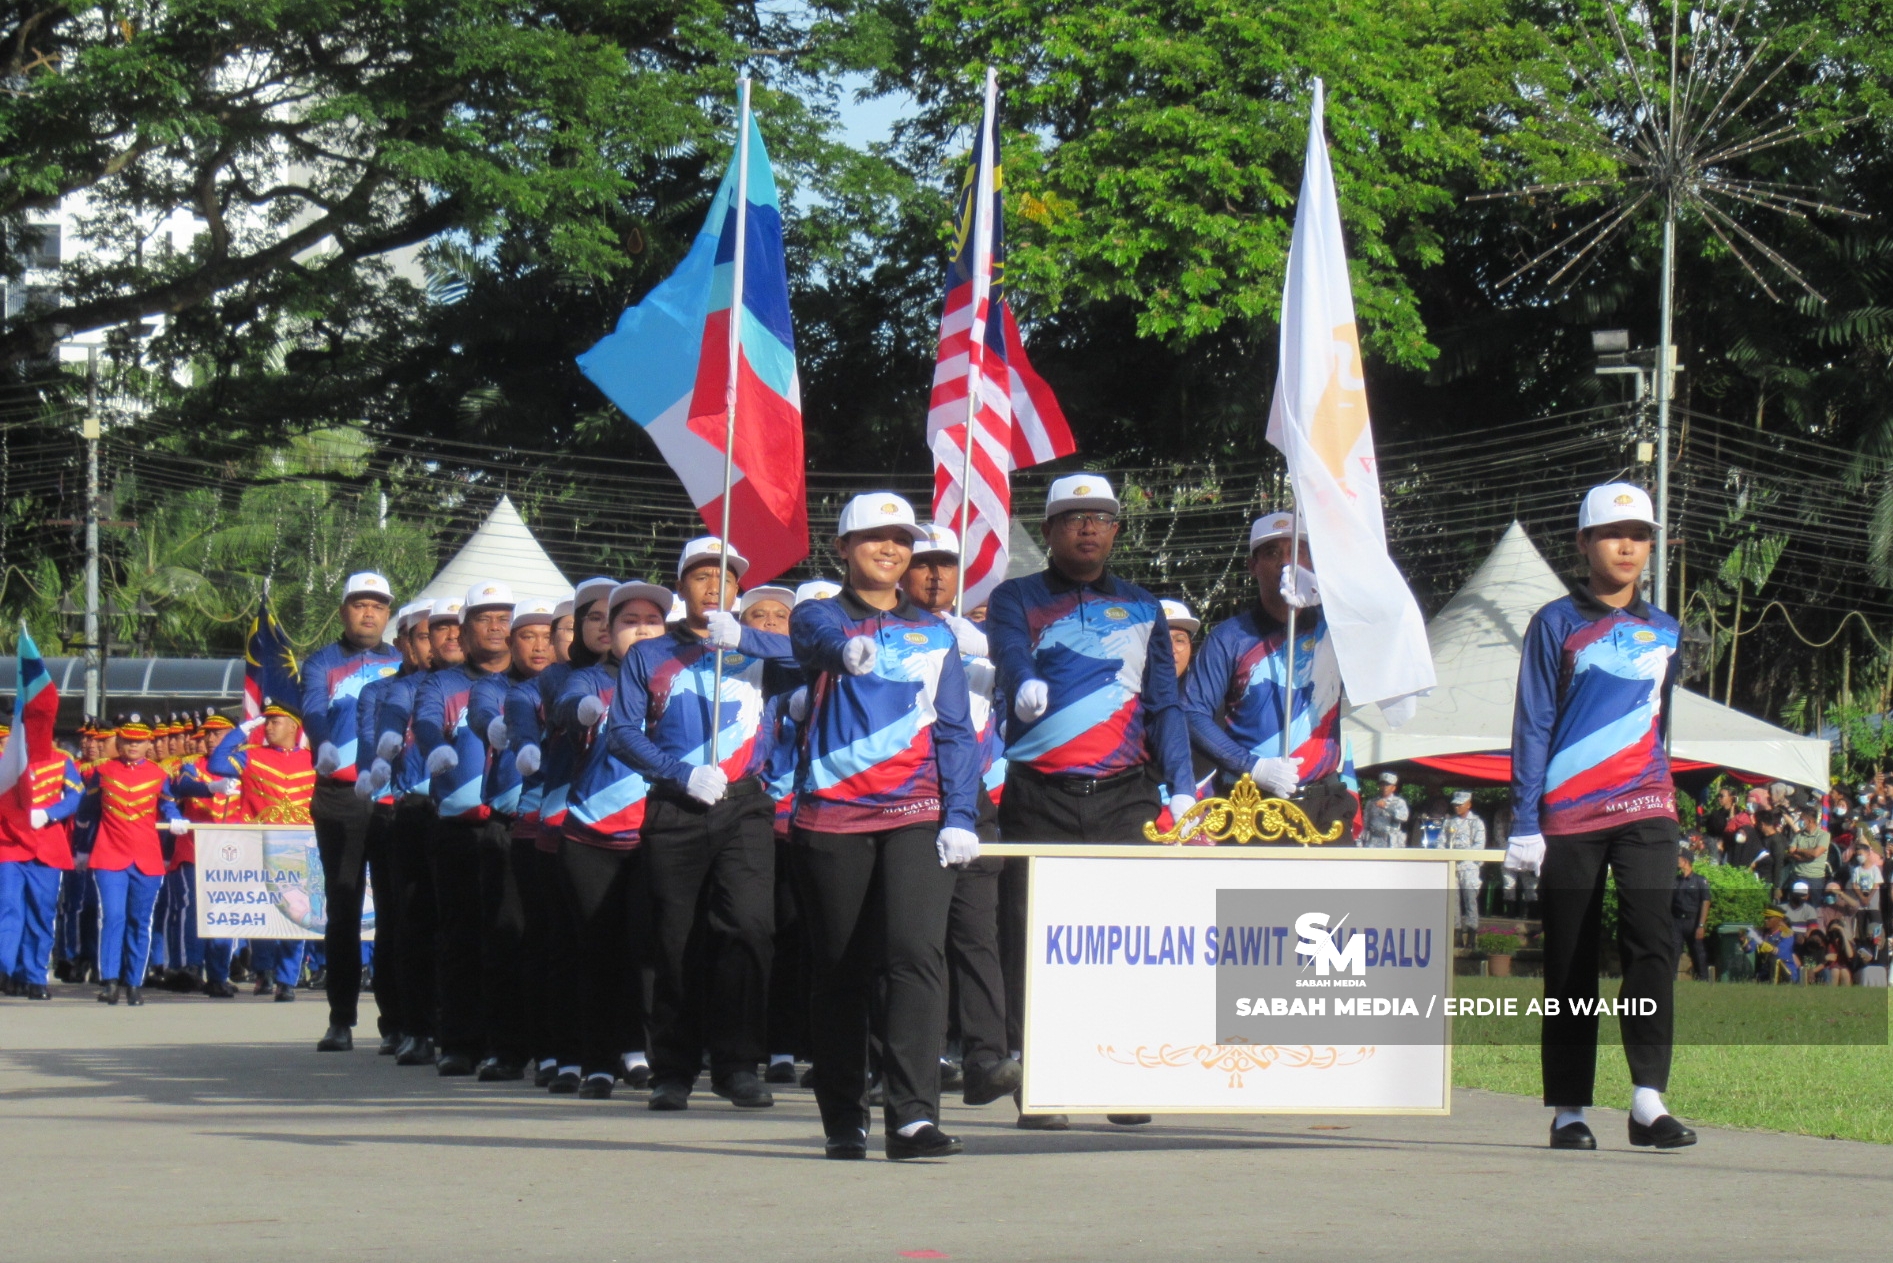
527,760
364,787
957,847
496,733
380,772
328,758
389,746
1278,775
591,709
858,654
798,705
249,726
224,786
1525,853
178,826
707,784
981,675
1180,805
1298,587
37,817
725,631
1034,696
972,640
442,760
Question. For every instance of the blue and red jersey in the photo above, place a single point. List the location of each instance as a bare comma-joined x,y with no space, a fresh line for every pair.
1103,650
1591,715
441,705
388,707
1233,692
487,702
660,715
558,757
785,752
605,805
526,726
332,680
894,746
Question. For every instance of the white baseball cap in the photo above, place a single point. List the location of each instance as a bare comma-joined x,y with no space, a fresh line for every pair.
766,592
1080,491
482,595
940,539
445,609
709,546
368,583
411,613
534,611
596,588
639,590
679,609
1273,526
1178,615
562,610
877,509
1615,502
817,590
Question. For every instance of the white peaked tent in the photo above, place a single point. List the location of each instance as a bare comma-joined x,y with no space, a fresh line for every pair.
504,549
1478,640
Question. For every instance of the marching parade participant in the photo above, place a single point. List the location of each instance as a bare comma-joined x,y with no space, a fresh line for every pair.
33,859
332,681
886,807
201,803
708,835
766,608
1591,794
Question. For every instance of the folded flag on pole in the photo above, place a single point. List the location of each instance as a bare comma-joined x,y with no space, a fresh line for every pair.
269,666
667,367
981,375
1319,420
35,707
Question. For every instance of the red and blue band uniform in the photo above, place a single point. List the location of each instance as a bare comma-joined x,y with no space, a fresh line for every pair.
405,948
1590,772
507,874
546,954
710,869
126,802
1088,769
332,680
890,758
32,861
273,787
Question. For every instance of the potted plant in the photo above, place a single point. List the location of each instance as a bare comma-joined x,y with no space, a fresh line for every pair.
1498,949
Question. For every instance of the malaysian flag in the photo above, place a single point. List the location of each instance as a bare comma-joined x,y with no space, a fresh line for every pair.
981,373
269,666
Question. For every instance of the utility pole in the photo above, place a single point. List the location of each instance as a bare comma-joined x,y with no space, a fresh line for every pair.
94,664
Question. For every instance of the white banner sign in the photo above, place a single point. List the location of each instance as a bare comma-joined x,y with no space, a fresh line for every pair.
1123,962
265,881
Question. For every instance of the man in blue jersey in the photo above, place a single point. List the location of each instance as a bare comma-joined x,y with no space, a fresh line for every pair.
332,680
1591,793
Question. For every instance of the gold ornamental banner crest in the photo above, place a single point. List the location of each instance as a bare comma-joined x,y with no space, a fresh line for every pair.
1243,817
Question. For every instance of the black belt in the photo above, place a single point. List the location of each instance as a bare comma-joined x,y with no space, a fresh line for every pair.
742,787
1077,786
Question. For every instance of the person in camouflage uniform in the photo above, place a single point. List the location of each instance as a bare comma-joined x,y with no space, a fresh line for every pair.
1384,819
1465,831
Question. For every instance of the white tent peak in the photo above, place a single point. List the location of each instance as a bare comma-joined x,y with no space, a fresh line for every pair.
1478,641
504,549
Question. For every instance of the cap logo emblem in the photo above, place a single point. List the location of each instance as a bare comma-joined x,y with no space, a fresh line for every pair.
1082,489
1624,498
889,508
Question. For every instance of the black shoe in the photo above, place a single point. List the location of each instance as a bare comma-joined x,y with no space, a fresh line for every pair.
597,1087
1573,1136
666,1097
952,1075
1127,1120
542,1078
564,1083
780,1072
847,1147
637,1077
135,996
744,1090
1664,1133
453,1065
389,1046
37,991
219,990
494,1070
987,1081
337,1039
62,970
108,993
285,994
807,1078
319,980
417,1050
1043,1122
263,986
928,1142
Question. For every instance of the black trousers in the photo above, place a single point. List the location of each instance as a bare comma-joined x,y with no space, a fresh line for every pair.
788,967
455,853
876,907
502,944
976,982
341,829
416,974
1642,857
551,959
384,881
712,886
1698,949
1037,808
609,908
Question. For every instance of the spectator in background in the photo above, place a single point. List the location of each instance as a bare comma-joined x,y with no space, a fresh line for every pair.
1728,817
1465,831
1808,858
1802,915
1385,816
1771,860
1775,960
1814,957
1689,910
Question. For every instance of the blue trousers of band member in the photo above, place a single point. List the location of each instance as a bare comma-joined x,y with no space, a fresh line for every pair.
182,946
127,899
217,954
76,934
278,959
160,922
29,898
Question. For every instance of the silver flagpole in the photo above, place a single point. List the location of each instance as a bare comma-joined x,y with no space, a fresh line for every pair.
982,262
729,394
1288,692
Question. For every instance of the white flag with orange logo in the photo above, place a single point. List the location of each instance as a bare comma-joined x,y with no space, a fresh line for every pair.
1318,419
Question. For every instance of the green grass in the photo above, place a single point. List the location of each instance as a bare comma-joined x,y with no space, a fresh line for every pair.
1832,1089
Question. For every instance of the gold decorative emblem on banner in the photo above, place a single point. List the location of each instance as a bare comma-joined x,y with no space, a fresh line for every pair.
1236,1060
1244,816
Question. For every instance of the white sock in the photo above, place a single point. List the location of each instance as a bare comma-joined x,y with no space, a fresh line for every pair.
550,1063
1646,1105
781,1059
600,1074
634,1059
568,1069
913,1129
1567,1114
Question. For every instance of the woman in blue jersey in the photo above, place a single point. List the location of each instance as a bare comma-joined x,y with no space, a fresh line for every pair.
886,802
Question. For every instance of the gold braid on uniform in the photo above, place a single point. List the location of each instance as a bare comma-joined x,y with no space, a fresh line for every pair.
1244,816
285,813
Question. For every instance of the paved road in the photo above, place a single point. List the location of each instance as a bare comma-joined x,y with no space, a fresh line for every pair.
192,1129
